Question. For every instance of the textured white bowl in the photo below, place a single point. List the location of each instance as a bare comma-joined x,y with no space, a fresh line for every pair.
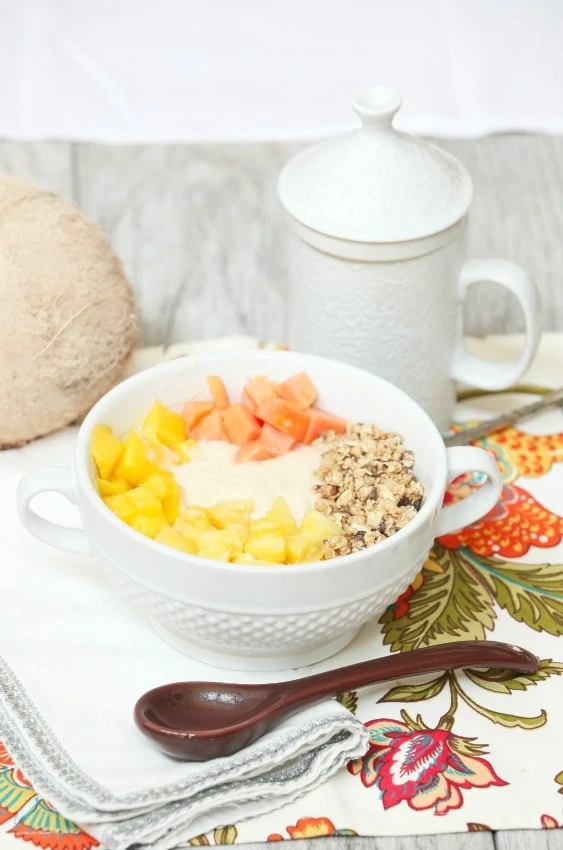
253,617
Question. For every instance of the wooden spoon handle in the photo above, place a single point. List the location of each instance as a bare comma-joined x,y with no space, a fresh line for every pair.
447,656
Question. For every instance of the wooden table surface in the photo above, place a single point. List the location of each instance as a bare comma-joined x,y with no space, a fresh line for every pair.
202,237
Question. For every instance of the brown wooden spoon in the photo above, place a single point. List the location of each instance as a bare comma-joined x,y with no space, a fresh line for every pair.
198,721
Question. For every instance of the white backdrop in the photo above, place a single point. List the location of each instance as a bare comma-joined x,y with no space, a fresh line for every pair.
219,70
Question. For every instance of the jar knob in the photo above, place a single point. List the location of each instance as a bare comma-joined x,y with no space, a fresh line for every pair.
376,106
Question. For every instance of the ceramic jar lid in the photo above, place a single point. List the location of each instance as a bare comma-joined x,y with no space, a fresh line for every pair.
375,184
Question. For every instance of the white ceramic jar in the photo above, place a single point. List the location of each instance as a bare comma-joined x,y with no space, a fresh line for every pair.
377,269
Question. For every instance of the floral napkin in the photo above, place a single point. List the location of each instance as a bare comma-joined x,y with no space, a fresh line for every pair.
473,750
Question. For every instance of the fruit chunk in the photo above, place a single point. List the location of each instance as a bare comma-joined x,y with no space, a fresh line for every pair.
122,506
240,424
230,513
320,421
171,537
194,411
158,485
195,517
112,488
282,517
318,526
106,450
218,391
145,501
168,427
245,558
247,401
284,416
262,526
148,525
299,390
210,428
182,452
134,465
222,545
253,451
302,549
270,547
275,440
258,389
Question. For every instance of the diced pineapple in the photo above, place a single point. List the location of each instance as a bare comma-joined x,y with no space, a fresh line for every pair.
112,488
229,513
270,547
282,517
148,525
303,548
106,450
245,558
195,517
213,544
134,464
318,526
158,485
145,501
172,537
168,427
122,506
182,452
263,526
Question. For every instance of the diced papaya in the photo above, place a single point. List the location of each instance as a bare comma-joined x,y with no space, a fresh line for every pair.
240,424
258,389
194,411
134,465
168,427
112,488
299,390
320,421
253,451
122,506
150,526
210,428
280,514
275,440
248,403
106,450
218,391
284,416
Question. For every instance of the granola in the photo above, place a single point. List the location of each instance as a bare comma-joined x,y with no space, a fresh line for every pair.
367,486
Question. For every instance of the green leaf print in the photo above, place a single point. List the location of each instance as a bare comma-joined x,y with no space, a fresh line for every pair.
530,593
415,693
349,699
225,835
508,720
505,682
450,604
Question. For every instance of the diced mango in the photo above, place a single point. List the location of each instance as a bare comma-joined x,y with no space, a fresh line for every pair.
182,452
145,501
229,513
303,548
134,465
112,488
171,537
270,547
122,506
318,526
106,450
171,503
156,452
282,517
168,427
158,485
150,526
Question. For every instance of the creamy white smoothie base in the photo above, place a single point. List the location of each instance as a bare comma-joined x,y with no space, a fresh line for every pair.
212,476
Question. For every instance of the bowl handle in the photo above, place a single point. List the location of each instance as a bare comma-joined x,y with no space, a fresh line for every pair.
59,479
470,459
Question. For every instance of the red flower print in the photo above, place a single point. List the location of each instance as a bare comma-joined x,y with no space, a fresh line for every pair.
548,822
5,757
514,525
427,768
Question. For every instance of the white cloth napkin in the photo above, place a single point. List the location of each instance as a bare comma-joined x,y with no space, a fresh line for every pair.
75,658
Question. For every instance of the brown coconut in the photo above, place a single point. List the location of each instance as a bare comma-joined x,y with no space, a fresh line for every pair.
68,322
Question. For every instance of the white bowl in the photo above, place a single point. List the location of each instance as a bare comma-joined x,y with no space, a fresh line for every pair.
254,617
